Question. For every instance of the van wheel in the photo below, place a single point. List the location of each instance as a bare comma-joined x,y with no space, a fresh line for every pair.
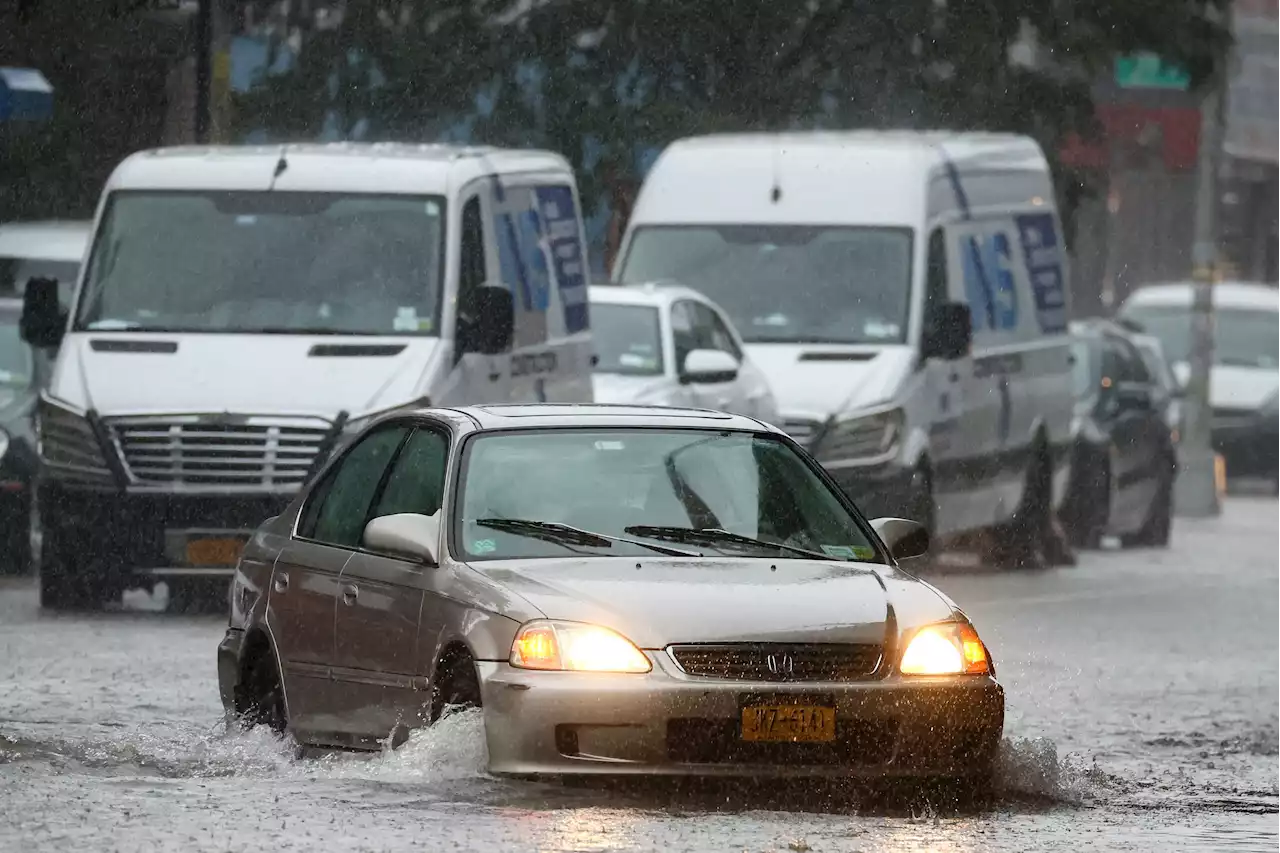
1026,540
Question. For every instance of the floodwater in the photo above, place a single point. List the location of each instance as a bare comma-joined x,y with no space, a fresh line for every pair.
1142,690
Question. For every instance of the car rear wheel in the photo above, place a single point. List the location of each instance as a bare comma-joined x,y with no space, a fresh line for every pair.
260,699
1089,508
1023,542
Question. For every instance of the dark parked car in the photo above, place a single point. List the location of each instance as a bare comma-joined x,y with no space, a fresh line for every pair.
18,389
1124,462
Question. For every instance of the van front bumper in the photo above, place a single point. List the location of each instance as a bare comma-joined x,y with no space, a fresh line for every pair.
128,533
660,723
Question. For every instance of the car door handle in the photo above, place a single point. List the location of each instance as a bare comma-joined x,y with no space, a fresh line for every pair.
350,592
281,582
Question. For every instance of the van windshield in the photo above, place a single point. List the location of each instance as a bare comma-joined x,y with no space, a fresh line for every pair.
266,262
787,283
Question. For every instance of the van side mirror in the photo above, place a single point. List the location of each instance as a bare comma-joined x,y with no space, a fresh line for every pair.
43,322
904,538
406,534
949,334
486,322
708,365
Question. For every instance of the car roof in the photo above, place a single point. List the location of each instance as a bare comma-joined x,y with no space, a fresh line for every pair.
655,293
47,240
1226,294
501,416
382,167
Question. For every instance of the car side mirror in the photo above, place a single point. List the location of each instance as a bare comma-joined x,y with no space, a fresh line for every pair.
406,534
708,365
486,322
43,322
904,538
949,335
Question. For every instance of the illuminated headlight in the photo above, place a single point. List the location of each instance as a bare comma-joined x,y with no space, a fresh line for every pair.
575,646
862,437
948,648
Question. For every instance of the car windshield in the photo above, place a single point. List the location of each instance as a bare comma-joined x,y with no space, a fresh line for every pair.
1240,338
787,283
15,356
651,485
627,338
266,262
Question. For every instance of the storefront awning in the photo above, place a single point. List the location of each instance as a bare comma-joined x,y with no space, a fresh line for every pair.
25,95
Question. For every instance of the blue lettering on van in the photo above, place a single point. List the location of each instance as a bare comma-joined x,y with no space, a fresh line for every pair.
1038,234
564,240
988,282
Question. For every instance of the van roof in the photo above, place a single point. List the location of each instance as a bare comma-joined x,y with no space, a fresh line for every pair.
48,240
382,167
1227,294
885,178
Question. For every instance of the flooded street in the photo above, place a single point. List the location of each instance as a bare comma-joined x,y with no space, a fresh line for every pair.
1142,689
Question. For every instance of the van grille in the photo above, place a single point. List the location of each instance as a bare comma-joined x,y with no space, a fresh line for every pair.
252,453
774,662
69,444
803,431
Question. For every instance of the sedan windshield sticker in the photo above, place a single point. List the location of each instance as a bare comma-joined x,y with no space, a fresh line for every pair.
483,546
850,552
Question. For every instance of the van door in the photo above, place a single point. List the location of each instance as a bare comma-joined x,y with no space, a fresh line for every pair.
478,378
539,239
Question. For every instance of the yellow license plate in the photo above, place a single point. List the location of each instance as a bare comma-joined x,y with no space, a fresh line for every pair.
214,552
788,723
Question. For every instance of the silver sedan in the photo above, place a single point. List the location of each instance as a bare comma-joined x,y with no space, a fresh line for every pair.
621,590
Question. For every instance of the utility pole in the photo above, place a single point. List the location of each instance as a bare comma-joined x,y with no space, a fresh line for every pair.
204,67
1196,490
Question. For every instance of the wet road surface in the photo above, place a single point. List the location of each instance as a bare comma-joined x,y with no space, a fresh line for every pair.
1142,690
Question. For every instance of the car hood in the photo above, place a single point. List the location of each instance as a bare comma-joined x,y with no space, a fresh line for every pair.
633,390
817,380
1233,387
245,374
677,600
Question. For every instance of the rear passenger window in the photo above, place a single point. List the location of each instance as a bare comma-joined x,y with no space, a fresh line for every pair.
416,483
342,514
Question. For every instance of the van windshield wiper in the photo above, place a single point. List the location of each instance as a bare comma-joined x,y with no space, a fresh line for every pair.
563,534
715,536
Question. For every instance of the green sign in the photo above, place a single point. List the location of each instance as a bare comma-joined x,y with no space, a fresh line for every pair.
1148,71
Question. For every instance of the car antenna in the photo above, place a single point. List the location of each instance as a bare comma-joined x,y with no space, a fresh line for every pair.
281,165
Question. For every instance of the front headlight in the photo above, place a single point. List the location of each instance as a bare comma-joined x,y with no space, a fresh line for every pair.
948,648
575,646
859,438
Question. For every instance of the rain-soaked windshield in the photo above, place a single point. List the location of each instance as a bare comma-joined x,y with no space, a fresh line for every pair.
278,262
628,339
625,483
1240,338
787,283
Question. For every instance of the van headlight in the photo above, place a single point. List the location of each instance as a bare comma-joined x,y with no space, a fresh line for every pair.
860,439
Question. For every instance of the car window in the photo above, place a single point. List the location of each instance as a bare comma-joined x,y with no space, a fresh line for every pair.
607,481
718,331
416,482
627,338
341,516
684,331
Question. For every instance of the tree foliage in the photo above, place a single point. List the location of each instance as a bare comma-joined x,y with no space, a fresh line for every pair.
599,79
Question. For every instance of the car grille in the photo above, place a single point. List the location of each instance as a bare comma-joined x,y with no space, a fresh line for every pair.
69,444
858,743
253,453
791,663
803,431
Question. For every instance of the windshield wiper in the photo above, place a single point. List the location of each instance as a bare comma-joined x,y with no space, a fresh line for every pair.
716,536
563,534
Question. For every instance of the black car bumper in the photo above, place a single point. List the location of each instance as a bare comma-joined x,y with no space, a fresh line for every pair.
1248,446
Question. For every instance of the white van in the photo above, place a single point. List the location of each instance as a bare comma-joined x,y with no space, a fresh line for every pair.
905,294
242,309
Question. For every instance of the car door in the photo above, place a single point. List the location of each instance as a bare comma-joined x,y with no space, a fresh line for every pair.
1127,425
380,597
699,333
305,584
